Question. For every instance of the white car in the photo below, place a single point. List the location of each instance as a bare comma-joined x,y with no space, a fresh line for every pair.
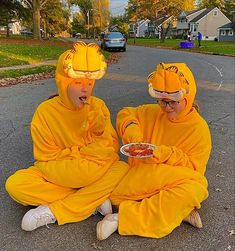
113,40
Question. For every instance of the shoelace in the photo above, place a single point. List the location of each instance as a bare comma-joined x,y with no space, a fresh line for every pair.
44,219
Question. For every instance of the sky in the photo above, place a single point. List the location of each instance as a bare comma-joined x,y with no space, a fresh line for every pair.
117,7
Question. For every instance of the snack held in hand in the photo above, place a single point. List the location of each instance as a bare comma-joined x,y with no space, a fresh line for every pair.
138,150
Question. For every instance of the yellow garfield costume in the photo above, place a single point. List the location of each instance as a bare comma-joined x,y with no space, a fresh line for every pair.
75,150
159,192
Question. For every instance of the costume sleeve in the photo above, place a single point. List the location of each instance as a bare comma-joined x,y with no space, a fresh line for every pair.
55,161
44,144
196,158
128,125
101,129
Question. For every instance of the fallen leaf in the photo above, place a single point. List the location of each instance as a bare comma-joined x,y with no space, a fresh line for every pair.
218,190
226,207
231,232
220,175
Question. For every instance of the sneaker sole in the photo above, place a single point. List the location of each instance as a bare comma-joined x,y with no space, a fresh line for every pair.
98,231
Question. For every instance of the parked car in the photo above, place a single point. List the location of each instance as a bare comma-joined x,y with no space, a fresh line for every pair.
26,32
113,40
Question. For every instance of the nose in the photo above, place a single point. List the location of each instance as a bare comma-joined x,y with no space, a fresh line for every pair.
167,107
84,87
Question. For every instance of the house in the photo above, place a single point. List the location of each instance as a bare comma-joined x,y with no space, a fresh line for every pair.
227,31
182,26
14,28
147,28
166,22
140,27
208,22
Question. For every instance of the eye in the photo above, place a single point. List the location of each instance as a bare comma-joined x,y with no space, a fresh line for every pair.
90,84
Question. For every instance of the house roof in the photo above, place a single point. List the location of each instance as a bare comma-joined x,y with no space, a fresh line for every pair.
161,20
227,26
143,21
188,13
204,13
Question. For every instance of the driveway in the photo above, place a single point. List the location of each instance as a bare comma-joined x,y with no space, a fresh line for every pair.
125,85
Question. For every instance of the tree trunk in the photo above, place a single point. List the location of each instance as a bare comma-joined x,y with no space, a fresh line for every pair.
8,30
36,19
164,33
45,30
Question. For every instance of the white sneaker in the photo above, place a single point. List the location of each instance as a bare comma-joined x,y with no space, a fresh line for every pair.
107,226
194,219
37,217
105,208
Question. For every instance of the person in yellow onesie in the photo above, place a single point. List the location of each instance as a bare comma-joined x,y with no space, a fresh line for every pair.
161,191
75,147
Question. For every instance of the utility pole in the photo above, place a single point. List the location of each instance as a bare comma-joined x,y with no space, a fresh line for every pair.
88,24
100,15
135,26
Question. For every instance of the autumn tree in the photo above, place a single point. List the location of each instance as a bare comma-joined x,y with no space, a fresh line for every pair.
35,6
101,13
229,6
156,9
10,12
55,17
122,22
211,3
78,24
85,7
97,11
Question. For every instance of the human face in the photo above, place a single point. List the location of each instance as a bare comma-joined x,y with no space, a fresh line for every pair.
172,108
79,90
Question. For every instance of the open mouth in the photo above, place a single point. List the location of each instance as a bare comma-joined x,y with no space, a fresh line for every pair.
84,99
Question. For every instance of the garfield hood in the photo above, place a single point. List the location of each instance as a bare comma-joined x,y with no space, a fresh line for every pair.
173,81
82,61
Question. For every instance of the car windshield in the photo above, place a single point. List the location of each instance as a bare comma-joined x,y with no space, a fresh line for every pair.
115,35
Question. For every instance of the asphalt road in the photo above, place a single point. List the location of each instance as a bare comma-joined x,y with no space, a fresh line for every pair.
125,85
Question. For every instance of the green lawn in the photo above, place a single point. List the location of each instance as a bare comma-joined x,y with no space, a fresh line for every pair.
20,51
15,54
25,72
223,48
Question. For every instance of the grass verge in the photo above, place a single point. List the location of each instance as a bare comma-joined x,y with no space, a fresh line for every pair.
211,47
26,72
20,51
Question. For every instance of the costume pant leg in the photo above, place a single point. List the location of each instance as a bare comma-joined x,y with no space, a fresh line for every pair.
153,200
80,205
28,187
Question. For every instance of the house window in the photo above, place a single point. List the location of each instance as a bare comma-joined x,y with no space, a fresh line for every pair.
230,32
215,13
223,33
